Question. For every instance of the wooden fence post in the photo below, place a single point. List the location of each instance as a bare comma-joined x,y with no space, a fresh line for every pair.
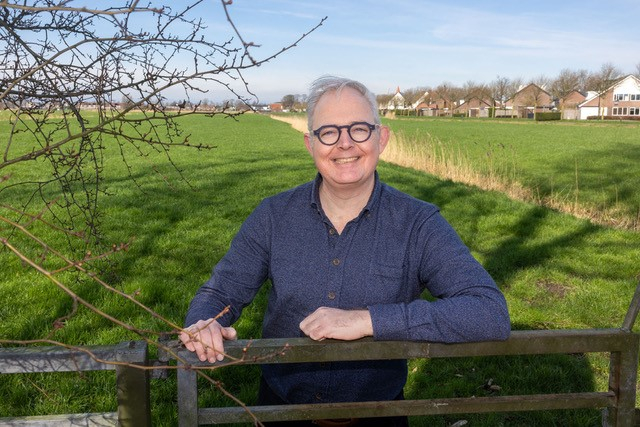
622,381
187,396
134,406
623,372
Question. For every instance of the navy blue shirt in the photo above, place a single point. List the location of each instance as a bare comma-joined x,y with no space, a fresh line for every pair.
382,261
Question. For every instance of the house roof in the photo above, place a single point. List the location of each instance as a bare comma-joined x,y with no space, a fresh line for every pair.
593,95
524,88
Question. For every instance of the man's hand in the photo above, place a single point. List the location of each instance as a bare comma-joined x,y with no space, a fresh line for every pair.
206,338
338,324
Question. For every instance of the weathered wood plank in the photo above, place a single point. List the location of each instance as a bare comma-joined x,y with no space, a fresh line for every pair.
187,398
132,383
409,407
521,342
133,390
20,360
81,420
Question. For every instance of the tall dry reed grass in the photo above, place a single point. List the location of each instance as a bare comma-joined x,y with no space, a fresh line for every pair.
446,161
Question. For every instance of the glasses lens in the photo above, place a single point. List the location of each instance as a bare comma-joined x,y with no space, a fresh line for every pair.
328,135
360,132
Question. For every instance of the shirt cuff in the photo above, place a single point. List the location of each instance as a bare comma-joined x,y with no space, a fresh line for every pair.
389,322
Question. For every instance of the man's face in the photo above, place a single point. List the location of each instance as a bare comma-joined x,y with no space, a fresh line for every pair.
346,164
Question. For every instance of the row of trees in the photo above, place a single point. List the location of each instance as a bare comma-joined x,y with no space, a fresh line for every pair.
504,88
499,90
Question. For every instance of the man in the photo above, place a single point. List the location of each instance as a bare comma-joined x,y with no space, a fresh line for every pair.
348,257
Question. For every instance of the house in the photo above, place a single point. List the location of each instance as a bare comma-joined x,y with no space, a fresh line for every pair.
529,100
276,107
397,101
474,107
434,104
622,99
569,105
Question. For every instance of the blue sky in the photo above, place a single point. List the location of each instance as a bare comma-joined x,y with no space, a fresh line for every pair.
391,43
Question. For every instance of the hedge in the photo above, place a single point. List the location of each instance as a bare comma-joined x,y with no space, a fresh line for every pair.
544,117
637,118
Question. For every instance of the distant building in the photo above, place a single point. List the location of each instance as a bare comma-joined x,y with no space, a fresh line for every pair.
529,100
396,102
474,107
276,107
569,105
622,99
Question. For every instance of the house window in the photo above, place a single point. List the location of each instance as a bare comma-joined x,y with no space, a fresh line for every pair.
621,97
634,111
619,111
635,96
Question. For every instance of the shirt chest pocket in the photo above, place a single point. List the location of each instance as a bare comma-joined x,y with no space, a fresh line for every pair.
386,284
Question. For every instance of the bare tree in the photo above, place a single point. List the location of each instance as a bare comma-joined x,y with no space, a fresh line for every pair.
637,72
601,80
537,94
65,70
472,90
288,101
446,95
76,80
383,100
413,95
499,89
566,82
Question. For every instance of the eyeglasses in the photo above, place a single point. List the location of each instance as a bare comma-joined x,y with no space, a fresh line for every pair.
358,132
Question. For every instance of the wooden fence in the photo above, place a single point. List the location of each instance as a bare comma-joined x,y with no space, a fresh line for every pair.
618,402
132,384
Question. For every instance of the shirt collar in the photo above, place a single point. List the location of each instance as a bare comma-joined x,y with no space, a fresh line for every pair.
373,200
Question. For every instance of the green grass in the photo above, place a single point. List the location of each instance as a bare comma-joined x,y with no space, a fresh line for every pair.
596,164
555,270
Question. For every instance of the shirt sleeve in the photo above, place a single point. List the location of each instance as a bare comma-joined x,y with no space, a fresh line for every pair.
238,276
468,305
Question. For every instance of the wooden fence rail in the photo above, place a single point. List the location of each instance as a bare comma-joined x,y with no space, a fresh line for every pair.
619,400
132,383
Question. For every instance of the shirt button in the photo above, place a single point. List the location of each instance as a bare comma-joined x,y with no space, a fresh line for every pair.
331,295
332,231
335,261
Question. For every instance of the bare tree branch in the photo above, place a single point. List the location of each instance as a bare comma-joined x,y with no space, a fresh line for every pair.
75,81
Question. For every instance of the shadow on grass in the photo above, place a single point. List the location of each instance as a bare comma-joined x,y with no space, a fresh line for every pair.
503,376
511,236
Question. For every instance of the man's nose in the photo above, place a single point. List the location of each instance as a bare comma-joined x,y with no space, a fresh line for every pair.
344,139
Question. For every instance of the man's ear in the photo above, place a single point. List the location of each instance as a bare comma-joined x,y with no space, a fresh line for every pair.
308,143
385,134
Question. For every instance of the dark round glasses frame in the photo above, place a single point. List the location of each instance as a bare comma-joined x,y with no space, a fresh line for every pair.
356,137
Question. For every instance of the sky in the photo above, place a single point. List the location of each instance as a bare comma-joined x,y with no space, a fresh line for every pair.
387,44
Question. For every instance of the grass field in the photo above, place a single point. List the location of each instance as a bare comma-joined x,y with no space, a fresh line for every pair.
587,168
556,271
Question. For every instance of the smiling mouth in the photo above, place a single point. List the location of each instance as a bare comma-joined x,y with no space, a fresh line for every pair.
344,160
